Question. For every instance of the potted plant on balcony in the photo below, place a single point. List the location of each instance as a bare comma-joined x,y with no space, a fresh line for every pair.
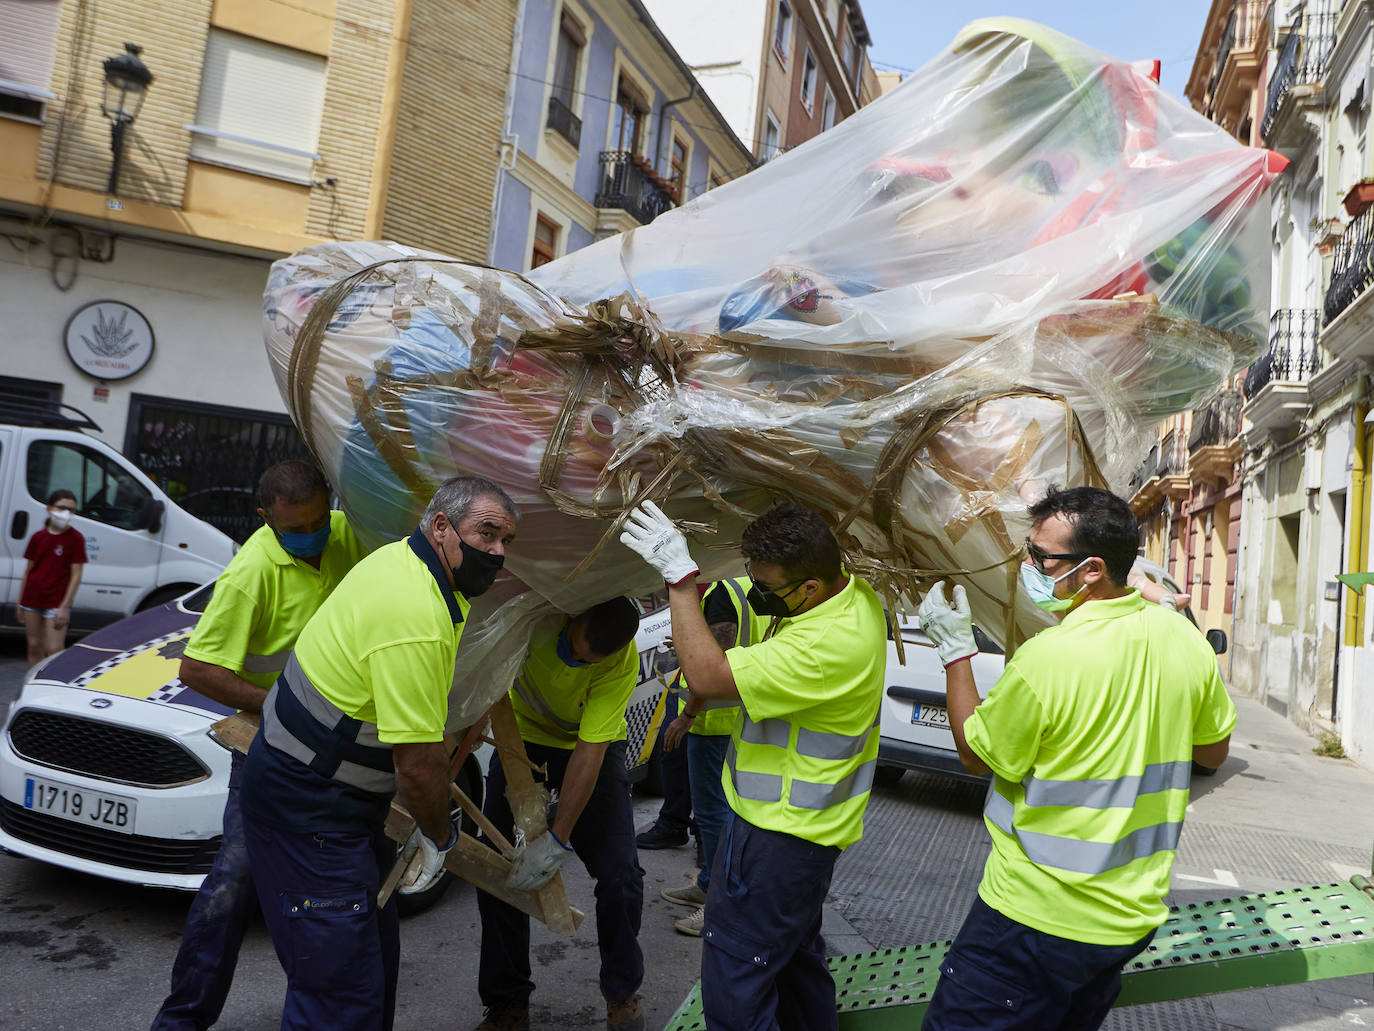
1359,197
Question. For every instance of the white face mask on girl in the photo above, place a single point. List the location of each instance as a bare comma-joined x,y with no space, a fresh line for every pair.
58,518
1039,587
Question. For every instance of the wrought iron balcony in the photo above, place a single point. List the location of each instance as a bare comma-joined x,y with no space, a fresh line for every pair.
628,183
1351,270
562,121
1218,422
1302,61
1293,355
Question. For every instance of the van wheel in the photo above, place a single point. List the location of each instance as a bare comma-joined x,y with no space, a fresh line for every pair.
469,779
163,595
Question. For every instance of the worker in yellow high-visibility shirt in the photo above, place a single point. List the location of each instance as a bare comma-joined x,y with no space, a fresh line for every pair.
1091,733
262,600
800,761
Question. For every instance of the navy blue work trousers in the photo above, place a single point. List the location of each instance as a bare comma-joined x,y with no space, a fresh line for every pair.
604,839
340,952
763,958
705,757
675,814
215,925
1000,975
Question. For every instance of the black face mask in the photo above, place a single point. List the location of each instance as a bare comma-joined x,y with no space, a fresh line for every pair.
478,571
770,603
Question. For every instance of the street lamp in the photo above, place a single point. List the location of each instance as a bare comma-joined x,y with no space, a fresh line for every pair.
126,84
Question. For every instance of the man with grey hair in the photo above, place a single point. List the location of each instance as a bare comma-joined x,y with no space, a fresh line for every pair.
356,717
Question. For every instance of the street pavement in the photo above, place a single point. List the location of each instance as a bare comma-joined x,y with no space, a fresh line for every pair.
80,952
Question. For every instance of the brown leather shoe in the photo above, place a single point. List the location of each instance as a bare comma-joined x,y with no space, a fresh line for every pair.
624,1016
507,1018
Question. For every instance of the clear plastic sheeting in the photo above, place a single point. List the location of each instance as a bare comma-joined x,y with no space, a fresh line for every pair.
997,277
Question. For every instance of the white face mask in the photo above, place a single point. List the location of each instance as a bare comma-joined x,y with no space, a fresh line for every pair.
59,518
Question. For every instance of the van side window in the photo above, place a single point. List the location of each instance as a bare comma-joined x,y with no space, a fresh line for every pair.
104,490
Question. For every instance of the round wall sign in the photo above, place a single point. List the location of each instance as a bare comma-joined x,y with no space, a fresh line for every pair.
109,339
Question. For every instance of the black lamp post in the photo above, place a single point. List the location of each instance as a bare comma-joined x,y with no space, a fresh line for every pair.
126,84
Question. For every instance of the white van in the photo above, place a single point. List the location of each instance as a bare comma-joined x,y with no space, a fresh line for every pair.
143,550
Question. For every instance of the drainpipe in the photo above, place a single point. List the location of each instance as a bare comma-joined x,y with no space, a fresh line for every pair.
1359,474
507,137
663,117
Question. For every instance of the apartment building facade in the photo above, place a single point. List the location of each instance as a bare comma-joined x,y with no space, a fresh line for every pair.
781,71
1302,638
607,127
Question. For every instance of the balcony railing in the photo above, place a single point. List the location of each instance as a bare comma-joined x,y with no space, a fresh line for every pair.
627,184
562,121
1302,61
1166,458
1218,422
1293,355
1351,271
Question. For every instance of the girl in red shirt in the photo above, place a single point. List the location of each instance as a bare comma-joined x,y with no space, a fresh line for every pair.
56,554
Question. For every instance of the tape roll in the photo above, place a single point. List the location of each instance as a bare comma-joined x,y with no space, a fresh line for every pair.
599,423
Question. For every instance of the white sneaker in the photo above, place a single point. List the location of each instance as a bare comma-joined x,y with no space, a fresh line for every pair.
691,924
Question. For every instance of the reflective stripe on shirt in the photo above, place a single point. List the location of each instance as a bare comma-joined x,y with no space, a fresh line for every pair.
814,744
1087,857
1109,793
298,720
804,794
274,663
531,697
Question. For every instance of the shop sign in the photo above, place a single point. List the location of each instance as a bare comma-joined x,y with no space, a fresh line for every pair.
109,339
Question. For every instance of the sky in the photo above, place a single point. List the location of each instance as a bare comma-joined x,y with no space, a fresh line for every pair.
908,33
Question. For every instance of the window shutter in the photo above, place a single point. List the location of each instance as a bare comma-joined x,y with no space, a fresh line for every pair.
241,79
28,46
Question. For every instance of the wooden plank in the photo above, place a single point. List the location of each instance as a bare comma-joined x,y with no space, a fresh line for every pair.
479,865
528,806
236,731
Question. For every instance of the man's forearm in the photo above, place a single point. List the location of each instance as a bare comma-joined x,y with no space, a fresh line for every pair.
699,654
961,698
579,779
422,786
222,685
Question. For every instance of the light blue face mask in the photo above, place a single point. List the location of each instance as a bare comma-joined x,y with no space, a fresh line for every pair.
305,545
1039,587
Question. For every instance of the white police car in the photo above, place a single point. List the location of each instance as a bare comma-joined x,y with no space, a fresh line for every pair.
106,766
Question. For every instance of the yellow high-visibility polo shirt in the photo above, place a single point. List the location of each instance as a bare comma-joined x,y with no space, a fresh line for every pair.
1090,733
382,646
802,754
556,704
264,598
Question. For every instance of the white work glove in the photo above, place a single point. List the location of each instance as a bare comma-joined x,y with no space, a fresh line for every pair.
949,626
651,535
536,862
426,861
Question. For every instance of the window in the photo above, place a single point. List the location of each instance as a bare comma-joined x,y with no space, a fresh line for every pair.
850,51
828,110
571,42
782,30
628,119
545,247
771,137
27,48
242,79
808,80
208,457
104,491
678,167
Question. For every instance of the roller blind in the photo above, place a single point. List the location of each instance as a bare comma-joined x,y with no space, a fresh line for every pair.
28,43
266,97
